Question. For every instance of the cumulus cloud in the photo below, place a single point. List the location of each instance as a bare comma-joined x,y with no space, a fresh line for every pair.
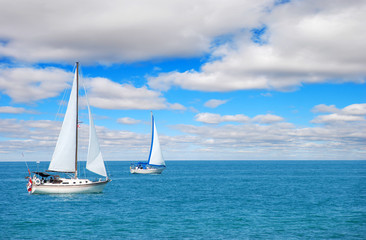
93,31
322,108
355,109
337,118
212,118
176,106
37,140
214,103
351,113
303,42
278,140
27,84
268,118
106,94
24,85
127,120
8,109
29,136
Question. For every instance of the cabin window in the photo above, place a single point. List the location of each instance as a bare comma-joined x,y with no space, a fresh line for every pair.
65,183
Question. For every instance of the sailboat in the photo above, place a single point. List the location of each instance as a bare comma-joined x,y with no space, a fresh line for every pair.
155,163
65,156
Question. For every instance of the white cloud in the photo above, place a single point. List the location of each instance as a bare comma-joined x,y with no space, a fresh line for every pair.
31,84
212,118
279,140
355,109
176,106
351,113
214,103
322,108
8,109
93,31
37,140
30,136
127,120
305,42
335,117
106,94
268,118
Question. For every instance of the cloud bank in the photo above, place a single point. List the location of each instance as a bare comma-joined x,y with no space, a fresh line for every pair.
25,85
96,32
301,42
250,139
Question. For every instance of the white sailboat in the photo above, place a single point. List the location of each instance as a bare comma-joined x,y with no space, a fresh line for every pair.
65,156
155,163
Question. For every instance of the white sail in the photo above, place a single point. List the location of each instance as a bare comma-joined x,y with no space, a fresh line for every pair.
63,159
95,161
156,156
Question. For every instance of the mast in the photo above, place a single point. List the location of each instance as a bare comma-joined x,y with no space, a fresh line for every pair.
77,117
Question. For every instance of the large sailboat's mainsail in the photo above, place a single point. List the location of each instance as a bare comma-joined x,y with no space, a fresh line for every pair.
63,159
155,156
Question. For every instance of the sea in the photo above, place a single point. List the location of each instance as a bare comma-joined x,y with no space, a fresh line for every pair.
195,200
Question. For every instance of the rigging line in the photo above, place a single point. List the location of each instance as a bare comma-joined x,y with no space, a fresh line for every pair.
61,105
26,165
63,102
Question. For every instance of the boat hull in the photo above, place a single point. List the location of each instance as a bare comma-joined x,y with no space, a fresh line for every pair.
146,171
60,188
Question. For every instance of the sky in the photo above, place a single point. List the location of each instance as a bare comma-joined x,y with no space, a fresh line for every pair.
225,80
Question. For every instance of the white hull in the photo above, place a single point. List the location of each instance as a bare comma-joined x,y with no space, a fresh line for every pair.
61,188
146,171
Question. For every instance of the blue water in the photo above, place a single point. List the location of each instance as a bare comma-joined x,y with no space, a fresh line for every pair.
196,200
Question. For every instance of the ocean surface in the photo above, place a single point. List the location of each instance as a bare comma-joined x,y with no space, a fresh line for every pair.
195,200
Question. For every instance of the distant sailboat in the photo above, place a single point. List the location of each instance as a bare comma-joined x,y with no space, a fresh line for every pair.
155,163
65,156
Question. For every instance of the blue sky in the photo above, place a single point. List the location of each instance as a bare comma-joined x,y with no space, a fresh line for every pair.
226,80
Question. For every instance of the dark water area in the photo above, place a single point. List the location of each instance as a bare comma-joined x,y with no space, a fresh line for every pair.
196,200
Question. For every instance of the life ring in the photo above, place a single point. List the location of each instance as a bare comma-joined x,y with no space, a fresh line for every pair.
38,181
